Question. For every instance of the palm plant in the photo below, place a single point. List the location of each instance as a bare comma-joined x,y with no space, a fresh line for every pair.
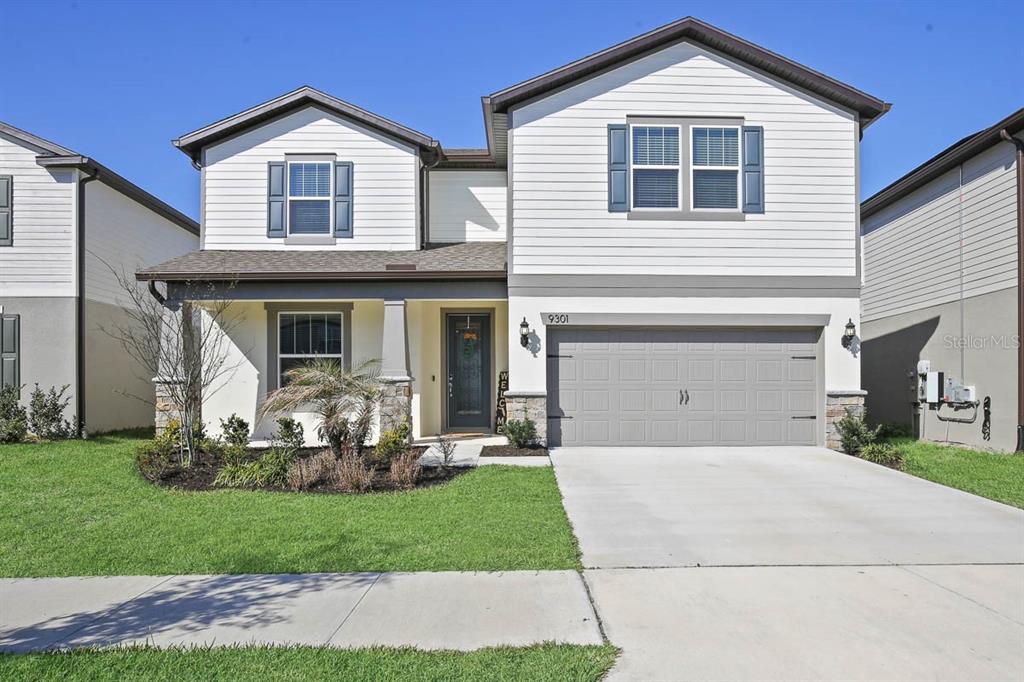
345,400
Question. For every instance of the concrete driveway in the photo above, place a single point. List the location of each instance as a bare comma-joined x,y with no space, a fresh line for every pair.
793,563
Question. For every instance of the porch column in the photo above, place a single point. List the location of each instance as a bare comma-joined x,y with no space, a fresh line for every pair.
396,397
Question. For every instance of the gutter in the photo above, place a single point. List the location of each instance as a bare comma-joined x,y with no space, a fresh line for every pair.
317,276
1005,135
80,301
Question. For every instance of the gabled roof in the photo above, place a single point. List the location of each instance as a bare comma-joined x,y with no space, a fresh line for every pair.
947,159
52,155
193,143
693,30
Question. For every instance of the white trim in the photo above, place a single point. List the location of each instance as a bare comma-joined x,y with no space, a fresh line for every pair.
694,168
632,166
339,356
329,198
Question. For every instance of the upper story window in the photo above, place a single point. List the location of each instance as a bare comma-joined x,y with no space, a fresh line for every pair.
716,168
655,166
309,197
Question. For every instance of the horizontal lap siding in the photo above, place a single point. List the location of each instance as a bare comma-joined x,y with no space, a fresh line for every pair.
384,182
41,261
467,206
912,249
559,168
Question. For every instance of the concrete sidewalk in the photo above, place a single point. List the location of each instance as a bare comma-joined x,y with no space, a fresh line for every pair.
425,610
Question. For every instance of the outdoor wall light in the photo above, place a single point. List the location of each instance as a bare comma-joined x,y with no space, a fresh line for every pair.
524,333
848,333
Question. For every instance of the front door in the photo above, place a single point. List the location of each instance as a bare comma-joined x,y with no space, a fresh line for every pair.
469,370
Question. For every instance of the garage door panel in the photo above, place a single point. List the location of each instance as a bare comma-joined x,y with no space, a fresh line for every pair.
679,386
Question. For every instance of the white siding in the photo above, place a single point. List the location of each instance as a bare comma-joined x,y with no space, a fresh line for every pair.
123,235
468,205
559,175
384,183
42,260
911,248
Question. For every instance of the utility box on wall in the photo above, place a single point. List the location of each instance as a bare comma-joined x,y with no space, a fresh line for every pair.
934,387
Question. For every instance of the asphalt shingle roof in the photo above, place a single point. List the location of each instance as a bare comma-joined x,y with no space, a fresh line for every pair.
467,260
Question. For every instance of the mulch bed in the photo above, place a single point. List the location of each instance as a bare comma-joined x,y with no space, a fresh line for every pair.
205,467
509,451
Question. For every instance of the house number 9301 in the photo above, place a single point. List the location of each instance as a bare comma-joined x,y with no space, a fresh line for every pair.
558,318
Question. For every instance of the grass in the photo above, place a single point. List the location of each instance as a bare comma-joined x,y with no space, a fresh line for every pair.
81,508
993,475
529,664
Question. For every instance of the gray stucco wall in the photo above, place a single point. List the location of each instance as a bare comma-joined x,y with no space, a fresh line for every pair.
47,343
110,374
892,346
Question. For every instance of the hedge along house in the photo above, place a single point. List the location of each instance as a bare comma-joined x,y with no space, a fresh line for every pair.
659,243
942,285
67,225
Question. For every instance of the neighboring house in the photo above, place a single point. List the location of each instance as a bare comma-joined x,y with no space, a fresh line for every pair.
67,223
942,284
659,244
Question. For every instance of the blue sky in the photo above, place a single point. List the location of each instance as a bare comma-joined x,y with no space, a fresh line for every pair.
119,80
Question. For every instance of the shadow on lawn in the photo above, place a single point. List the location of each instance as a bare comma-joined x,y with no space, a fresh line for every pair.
204,609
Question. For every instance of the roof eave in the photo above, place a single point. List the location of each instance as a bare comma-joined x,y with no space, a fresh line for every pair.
146,276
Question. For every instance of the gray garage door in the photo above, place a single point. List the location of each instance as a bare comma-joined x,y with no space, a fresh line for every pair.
682,387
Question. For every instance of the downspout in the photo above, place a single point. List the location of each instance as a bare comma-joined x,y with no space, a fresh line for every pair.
1004,134
424,206
80,303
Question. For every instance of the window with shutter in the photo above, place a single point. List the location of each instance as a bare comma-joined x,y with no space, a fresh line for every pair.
655,157
716,168
309,198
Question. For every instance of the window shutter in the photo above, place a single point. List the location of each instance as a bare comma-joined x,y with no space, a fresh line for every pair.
9,351
618,169
753,169
343,199
275,199
6,210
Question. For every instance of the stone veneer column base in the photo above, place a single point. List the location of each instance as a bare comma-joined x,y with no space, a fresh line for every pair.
837,405
165,407
529,405
396,404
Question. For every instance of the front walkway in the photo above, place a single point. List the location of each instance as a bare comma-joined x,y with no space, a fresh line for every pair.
426,610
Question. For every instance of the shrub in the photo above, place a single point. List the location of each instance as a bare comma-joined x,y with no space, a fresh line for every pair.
46,413
891,430
352,475
232,453
446,450
521,433
886,454
854,433
405,470
289,434
156,464
13,421
235,430
306,472
268,470
392,443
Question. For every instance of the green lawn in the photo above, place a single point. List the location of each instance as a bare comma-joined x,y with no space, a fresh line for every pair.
993,475
529,664
81,508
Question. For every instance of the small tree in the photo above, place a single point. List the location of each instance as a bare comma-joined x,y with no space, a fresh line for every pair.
184,343
345,400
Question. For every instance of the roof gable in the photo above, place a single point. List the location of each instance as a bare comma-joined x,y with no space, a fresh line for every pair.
194,142
692,30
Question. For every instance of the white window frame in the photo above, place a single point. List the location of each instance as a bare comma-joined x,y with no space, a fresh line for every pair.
678,168
329,198
738,167
340,357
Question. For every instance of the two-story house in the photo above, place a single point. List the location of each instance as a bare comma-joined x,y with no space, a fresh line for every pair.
71,231
659,245
943,292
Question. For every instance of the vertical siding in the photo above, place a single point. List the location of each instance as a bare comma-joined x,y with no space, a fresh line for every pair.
467,206
235,182
559,148
912,250
124,236
41,262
